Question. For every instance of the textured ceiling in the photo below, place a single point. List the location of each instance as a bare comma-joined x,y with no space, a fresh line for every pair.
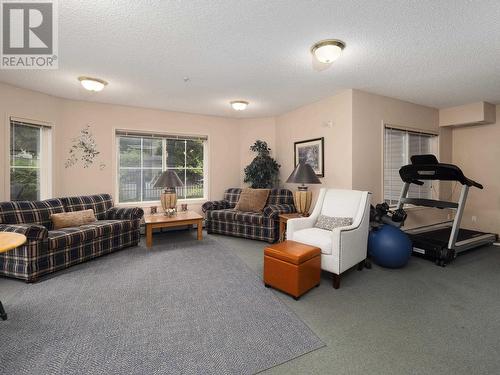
436,53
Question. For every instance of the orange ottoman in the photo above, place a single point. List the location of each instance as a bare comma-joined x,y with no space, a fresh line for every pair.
292,267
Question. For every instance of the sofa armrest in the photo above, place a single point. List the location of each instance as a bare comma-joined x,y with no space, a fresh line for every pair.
215,205
124,213
33,232
274,210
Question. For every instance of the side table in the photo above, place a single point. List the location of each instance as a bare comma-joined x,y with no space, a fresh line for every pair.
283,219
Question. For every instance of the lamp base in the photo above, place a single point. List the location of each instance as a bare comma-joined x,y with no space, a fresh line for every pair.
302,200
168,202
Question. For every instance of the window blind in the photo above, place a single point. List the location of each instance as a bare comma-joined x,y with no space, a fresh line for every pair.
127,133
14,121
399,146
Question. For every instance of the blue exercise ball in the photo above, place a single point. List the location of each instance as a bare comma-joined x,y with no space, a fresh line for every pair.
389,246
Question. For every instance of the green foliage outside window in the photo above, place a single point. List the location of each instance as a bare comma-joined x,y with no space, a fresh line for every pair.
24,162
141,161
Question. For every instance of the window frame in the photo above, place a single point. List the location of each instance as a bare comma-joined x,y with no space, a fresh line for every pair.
46,154
435,139
164,136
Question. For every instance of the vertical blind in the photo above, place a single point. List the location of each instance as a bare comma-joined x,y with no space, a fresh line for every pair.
399,146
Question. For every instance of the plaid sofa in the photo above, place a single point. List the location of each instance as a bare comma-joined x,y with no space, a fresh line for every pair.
47,250
222,218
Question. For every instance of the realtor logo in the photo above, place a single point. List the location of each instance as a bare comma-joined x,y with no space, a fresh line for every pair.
29,34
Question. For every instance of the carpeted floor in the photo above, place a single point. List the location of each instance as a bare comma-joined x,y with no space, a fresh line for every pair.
189,307
422,319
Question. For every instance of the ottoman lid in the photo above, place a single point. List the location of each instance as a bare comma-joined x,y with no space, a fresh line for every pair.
292,252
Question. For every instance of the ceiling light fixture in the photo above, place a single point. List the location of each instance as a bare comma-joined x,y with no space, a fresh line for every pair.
239,105
92,84
328,50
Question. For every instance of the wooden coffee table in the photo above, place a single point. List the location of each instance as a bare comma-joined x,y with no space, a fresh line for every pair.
180,219
9,241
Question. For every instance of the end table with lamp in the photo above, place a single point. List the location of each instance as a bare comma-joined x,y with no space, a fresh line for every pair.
169,181
9,241
303,174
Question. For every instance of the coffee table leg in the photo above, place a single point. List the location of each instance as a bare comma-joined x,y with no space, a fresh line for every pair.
149,235
3,314
199,226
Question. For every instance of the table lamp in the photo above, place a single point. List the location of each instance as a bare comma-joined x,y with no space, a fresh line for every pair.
169,181
303,174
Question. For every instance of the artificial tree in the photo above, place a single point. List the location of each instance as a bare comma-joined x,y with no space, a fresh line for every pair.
263,171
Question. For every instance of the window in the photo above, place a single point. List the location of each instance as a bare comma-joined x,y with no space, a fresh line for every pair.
399,146
142,157
30,161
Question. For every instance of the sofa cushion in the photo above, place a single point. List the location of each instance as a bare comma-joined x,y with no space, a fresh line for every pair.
99,203
249,217
106,227
221,215
232,195
65,237
280,196
252,200
315,237
30,212
72,219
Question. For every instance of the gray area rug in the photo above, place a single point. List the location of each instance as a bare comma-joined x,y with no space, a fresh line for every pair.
190,308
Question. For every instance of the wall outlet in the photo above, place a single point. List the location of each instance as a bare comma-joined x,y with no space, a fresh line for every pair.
474,219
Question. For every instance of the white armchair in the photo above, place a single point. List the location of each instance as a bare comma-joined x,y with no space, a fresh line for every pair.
343,247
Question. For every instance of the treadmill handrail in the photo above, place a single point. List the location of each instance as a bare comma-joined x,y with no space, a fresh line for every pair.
413,173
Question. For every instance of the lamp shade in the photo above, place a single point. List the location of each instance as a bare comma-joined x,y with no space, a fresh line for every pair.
168,179
303,174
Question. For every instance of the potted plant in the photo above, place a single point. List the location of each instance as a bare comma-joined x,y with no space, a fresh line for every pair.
263,171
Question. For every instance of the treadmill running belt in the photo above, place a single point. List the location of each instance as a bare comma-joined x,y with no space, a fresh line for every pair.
443,235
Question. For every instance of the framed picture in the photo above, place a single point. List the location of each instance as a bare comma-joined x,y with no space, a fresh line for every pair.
311,152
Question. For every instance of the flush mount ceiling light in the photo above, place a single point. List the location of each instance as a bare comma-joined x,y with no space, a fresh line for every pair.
239,105
92,84
328,50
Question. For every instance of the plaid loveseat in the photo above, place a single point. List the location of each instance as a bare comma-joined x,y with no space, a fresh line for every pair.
47,250
222,218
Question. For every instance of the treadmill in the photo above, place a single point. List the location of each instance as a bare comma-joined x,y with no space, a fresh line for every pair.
440,242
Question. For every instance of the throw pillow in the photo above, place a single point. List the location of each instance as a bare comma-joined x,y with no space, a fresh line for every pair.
252,200
72,219
329,222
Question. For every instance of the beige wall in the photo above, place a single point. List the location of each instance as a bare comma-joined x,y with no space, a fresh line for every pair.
310,122
70,116
468,114
369,113
30,105
476,151
353,144
263,129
